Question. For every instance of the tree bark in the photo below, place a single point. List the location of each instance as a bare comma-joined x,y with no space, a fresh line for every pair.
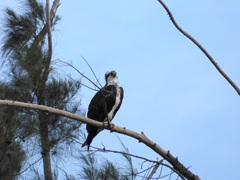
45,146
40,84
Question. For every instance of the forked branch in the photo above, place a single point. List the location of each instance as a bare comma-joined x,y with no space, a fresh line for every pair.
139,136
94,84
200,47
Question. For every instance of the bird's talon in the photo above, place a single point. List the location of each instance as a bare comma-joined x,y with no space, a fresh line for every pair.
112,125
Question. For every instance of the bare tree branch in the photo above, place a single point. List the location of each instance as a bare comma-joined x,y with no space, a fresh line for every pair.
70,65
121,130
81,83
154,170
46,30
49,33
200,47
92,71
53,11
120,152
28,167
135,156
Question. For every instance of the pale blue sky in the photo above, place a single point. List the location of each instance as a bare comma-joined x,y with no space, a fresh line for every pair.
172,92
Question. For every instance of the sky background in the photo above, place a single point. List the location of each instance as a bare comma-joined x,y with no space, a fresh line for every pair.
172,92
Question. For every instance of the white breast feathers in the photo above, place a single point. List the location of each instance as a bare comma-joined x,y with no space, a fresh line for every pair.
111,113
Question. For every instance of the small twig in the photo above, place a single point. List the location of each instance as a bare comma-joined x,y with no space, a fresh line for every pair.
160,173
28,167
135,156
121,152
92,71
147,172
118,152
200,47
174,170
154,170
143,163
81,83
144,170
68,64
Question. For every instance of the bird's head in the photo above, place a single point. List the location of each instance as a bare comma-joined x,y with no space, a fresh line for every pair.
111,78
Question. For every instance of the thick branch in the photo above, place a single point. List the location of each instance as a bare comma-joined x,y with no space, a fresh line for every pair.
49,33
139,136
200,47
46,30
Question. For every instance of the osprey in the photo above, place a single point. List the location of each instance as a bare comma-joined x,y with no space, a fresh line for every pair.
104,105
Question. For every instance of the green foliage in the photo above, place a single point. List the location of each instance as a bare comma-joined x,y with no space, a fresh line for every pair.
108,171
11,152
25,51
11,156
97,167
129,169
21,30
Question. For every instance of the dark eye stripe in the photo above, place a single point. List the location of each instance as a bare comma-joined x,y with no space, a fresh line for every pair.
107,75
113,72
110,73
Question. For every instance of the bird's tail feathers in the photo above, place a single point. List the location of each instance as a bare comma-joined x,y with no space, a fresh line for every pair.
86,143
88,140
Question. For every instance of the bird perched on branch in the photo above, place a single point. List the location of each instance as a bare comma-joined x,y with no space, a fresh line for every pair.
104,105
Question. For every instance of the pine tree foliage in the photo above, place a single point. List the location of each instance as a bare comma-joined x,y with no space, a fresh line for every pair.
93,166
96,167
29,79
129,168
11,152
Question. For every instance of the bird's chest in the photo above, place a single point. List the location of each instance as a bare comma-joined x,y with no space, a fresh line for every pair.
117,102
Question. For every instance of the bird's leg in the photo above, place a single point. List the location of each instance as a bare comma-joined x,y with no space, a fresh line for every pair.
106,114
105,110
